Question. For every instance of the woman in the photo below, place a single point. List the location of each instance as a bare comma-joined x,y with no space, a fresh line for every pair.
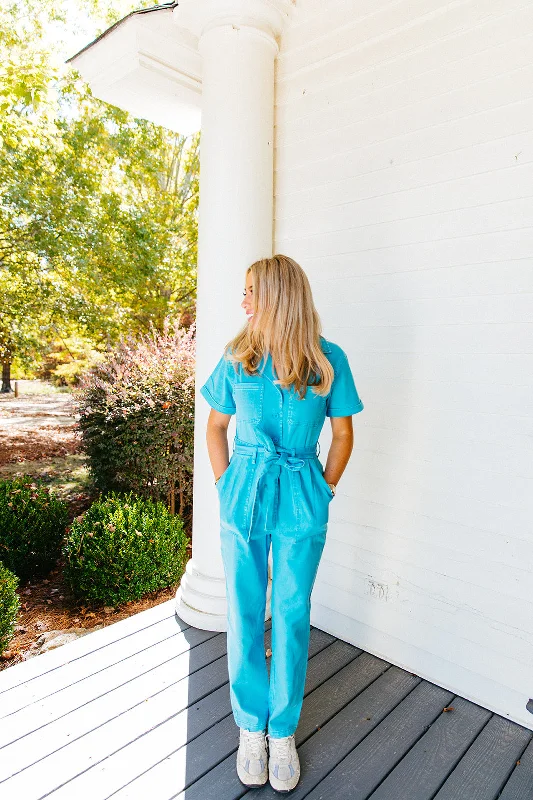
274,492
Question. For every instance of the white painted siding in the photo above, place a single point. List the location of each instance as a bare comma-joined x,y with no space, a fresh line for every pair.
404,187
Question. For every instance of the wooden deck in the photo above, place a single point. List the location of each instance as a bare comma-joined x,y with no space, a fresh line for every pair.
141,709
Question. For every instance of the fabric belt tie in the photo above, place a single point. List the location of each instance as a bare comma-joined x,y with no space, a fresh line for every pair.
275,458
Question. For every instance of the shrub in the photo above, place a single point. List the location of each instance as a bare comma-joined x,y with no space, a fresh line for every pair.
136,416
32,526
9,605
123,547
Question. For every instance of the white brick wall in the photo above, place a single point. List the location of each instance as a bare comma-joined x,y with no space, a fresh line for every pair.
404,187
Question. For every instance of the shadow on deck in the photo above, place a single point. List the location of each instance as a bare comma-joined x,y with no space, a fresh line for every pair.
141,709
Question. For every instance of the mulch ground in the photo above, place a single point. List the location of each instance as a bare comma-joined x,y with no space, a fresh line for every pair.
34,427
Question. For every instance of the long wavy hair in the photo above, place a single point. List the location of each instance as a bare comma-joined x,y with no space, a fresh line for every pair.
285,324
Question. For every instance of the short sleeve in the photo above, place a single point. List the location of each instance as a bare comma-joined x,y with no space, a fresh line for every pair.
218,388
343,400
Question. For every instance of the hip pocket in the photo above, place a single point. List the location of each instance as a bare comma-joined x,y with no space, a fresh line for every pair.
326,485
224,475
234,492
322,495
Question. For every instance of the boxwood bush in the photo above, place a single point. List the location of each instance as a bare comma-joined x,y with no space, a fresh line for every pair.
32,525
123,547
9,605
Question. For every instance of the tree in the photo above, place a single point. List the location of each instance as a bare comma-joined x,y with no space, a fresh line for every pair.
98,211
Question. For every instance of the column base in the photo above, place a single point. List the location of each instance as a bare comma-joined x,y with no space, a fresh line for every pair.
201,600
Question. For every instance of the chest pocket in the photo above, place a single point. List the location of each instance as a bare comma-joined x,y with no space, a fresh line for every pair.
249,401
310,411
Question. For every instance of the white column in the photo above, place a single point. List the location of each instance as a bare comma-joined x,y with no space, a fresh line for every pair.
238,43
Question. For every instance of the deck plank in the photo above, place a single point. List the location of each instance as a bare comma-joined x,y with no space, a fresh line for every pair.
107,683
183,766
99,763
323,699
96,661
520,783
170,685
321,753
358,774
421,773
487,764
144,712
115,685
77,737
39,665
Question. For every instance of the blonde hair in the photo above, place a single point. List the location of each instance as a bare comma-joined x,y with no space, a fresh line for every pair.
286,324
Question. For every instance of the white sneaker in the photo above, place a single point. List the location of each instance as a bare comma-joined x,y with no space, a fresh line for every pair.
283,763
252,759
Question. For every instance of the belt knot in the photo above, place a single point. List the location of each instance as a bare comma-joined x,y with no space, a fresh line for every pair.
284,459
272,456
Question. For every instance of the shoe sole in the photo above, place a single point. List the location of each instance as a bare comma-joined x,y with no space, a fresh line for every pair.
284,791
253,785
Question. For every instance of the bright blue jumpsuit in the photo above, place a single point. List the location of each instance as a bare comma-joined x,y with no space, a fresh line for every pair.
273,492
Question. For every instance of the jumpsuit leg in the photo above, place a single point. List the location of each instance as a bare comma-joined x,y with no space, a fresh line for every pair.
246,570
294,568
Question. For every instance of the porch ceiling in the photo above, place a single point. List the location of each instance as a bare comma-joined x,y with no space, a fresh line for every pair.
148,66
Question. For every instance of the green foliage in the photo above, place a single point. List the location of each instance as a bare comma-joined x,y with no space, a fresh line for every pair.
136,416
66,360
123,547
98,210
32,525
9,605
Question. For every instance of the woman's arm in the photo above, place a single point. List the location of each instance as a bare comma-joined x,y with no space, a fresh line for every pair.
340,450
217,441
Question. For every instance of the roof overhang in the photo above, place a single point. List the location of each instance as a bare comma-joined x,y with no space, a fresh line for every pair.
149,66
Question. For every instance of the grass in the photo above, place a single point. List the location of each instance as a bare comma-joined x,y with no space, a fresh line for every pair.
32,387
68,476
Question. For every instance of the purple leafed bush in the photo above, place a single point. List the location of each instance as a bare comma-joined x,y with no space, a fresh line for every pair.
136,416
